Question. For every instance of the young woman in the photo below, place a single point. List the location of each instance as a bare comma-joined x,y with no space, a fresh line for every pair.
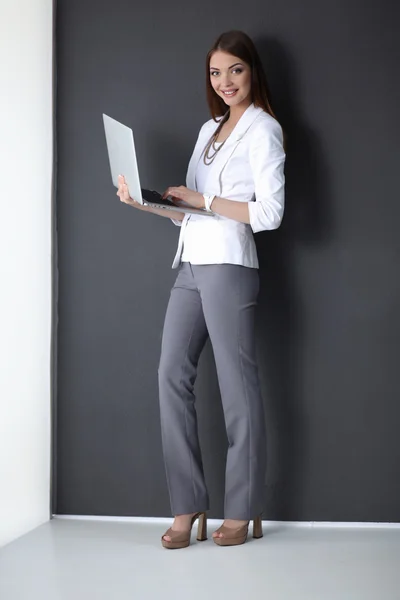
237,172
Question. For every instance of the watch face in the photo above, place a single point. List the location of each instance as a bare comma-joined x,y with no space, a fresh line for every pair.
207,201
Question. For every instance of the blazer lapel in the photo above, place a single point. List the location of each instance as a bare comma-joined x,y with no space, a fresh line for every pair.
197,152
191,171
217,166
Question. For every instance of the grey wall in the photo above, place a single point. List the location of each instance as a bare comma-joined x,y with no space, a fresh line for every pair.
328,319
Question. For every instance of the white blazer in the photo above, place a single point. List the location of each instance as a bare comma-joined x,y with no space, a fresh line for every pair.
248,168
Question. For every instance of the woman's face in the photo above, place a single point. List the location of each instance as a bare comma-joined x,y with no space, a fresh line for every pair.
231,78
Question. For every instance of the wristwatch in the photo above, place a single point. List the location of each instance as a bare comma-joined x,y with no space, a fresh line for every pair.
208,199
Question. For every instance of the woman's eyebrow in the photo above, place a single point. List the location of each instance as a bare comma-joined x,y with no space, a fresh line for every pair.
215,69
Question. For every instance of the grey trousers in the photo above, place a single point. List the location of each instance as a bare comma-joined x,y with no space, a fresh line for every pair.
217,301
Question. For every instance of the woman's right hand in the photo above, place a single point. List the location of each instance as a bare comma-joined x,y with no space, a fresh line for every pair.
124,196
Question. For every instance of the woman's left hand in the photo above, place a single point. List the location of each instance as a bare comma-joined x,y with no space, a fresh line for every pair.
190,197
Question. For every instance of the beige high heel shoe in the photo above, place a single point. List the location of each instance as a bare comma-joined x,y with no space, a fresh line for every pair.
234,537
181,539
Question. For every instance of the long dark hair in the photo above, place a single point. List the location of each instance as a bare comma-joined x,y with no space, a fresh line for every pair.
239,44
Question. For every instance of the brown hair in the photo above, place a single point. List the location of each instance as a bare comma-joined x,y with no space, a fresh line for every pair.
239,44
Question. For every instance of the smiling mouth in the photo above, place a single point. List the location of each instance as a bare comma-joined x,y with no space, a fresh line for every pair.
229,93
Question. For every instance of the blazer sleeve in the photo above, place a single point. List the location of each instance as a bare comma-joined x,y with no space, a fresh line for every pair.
267,160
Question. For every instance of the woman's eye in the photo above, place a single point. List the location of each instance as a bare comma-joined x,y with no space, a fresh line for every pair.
215,73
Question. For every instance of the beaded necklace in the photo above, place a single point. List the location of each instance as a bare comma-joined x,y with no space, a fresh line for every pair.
207,156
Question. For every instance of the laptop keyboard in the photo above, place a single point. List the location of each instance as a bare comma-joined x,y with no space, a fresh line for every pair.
153,196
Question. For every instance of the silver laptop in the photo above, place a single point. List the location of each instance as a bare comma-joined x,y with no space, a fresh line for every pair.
122,156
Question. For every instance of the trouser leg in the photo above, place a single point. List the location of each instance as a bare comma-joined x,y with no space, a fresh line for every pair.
184,337
229,297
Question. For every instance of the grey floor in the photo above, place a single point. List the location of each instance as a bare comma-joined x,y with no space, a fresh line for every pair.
106,560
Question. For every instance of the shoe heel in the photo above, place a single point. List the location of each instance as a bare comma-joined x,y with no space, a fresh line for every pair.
202,528
257,528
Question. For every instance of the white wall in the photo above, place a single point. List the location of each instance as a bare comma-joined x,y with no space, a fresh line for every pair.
25,263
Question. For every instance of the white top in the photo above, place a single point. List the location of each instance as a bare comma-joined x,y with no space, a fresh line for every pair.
191,241
248,168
